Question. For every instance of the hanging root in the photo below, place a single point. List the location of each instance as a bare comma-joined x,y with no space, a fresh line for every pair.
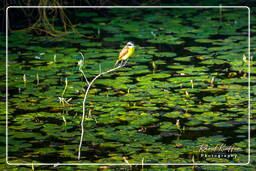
43,24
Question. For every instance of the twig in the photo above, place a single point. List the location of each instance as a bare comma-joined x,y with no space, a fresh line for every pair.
80,69
66,84
85,97
81,63
63,100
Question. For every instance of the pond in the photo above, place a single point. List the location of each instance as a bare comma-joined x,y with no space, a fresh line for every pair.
184,89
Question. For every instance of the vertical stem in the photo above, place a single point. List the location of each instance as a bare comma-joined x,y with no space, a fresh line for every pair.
66,84
80,68
37,79
220,14
25,79
82,121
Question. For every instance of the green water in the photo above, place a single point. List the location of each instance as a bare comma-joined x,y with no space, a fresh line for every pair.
134,109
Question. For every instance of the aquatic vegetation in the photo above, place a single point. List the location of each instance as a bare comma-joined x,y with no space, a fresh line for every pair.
186,85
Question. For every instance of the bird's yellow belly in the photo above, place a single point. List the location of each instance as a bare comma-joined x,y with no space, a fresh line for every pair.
130,53
125,56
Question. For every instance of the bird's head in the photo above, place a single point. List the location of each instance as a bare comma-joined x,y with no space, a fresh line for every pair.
130,45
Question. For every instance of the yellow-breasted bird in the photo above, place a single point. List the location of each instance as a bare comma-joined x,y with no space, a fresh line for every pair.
126,52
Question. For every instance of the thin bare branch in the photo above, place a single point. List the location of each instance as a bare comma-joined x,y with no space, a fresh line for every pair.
80,69
85,97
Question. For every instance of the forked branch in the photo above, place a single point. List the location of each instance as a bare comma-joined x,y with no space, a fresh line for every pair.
122,64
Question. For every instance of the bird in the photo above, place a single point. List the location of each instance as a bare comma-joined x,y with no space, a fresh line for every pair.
126,53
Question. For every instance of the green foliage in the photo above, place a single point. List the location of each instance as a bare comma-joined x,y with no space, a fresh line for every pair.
135,108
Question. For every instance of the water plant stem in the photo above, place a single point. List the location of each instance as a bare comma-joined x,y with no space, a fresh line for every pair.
37,79
66,84
24,79
81,63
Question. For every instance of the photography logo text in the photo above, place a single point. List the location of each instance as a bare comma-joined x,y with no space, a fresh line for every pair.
218,151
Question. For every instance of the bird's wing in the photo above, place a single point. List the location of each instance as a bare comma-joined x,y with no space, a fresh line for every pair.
123,52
